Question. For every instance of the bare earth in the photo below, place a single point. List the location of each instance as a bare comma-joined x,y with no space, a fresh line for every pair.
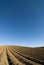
17,55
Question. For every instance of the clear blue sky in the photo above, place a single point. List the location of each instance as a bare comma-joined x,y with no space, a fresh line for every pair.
22,22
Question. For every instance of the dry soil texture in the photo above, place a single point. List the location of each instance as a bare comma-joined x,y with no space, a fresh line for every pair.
17,55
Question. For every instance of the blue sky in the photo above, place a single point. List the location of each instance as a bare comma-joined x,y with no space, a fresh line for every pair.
22,22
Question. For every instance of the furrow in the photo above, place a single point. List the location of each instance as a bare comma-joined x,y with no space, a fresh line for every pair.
31,58
22,59
13,59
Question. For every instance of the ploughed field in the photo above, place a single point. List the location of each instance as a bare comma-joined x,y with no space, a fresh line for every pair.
17,55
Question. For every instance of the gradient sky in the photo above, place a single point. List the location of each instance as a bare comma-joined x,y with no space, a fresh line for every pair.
22,22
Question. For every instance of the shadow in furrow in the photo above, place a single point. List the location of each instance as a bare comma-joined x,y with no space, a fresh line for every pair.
35,60
9,61
20,59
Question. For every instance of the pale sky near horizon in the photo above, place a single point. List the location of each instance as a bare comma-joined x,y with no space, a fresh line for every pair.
22,22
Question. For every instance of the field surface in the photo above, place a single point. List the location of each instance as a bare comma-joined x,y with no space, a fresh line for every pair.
17,55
